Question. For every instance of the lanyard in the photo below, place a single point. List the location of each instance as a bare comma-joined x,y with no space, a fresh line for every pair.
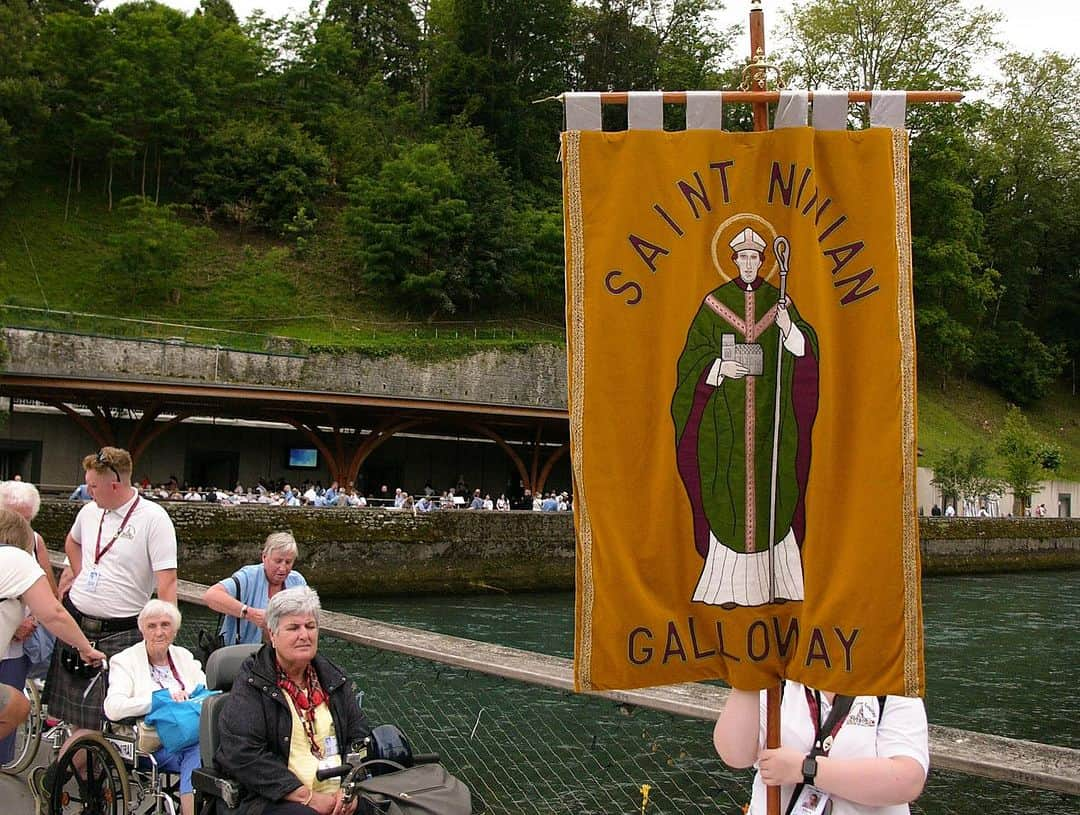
172,667
825,734
99,553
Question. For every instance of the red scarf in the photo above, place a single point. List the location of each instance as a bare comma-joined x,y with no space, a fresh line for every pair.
305,700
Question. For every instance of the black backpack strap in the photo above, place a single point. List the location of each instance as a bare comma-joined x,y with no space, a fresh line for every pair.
236,582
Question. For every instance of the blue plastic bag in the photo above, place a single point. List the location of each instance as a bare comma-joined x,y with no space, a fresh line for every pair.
177,723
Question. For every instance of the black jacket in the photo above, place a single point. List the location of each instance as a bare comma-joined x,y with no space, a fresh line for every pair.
256,726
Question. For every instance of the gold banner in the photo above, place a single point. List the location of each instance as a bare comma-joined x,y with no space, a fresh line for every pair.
742,402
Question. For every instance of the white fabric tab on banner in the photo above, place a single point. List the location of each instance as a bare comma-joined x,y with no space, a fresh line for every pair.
645,110
888,109
792,109
830,110
582,111
704,110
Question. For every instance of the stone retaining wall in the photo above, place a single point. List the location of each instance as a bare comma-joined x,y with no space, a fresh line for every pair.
369,551
349,551
535,377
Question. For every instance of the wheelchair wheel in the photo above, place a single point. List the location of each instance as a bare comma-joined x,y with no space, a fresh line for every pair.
105,790
28,734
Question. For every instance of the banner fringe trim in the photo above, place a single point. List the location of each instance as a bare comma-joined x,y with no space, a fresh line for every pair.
583,665
910,553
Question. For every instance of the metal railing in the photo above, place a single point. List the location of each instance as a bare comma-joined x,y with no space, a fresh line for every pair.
241,334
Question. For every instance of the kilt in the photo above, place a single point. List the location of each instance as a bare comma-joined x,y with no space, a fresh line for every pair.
64,691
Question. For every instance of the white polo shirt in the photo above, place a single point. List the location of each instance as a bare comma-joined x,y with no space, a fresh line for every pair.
125,574
18,572
901,731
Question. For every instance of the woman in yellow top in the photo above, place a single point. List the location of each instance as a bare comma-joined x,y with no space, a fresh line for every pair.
290,713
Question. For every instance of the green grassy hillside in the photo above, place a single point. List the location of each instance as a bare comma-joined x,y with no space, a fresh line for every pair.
968,414
251,286
247,285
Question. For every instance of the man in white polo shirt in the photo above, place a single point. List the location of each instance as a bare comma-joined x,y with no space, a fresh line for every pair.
122,548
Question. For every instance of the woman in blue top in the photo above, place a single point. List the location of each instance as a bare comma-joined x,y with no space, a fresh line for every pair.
245,613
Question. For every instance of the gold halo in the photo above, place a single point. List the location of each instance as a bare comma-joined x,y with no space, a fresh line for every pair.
768,273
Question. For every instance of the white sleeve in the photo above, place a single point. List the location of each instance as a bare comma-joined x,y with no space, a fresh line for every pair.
121,701
795,342
715,378
161,542
902,730
76,526
18,571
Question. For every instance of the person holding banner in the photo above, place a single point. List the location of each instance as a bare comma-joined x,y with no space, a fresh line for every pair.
865,755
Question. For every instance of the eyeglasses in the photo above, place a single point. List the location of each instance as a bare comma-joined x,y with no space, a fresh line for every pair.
100,458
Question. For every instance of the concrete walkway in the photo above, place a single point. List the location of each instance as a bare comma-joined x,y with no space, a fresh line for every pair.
15,797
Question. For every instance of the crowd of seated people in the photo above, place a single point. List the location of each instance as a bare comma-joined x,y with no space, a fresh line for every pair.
271,492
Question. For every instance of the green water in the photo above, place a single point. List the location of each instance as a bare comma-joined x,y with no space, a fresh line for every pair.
1000,657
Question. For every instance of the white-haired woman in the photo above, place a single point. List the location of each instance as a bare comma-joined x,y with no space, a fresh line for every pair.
291,711
151,665
245,615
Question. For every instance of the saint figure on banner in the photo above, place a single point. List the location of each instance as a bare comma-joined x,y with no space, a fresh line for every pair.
723,410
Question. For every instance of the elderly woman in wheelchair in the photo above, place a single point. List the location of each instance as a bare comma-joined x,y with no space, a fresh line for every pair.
154,664
291,712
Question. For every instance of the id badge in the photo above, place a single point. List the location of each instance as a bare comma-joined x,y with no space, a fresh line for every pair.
92,578
330,747
812,801
333,760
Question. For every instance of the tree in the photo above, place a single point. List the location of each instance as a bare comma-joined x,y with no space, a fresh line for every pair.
1019,364
21,109
867,44
72,58
490,62
963,476
152,244
953,282
220,10
275,169
1020,452
1028,187
384,37
411,225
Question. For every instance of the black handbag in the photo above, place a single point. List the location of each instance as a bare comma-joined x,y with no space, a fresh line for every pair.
72,662
206,643
426,789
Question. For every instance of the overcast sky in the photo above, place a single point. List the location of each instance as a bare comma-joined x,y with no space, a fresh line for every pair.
1030,25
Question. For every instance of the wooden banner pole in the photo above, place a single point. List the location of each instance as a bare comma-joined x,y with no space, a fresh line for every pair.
759,84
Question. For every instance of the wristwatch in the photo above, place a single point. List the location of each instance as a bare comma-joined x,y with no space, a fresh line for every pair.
809,770
243,610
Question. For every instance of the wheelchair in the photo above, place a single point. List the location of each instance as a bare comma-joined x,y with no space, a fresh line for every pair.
28,734
384,751
117,776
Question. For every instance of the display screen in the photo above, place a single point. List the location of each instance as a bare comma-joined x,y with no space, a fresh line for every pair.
303,457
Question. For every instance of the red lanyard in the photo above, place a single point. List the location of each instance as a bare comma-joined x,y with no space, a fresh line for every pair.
172,667
825,734
99,553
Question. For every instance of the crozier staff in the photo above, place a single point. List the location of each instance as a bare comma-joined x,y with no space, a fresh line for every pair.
866,755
